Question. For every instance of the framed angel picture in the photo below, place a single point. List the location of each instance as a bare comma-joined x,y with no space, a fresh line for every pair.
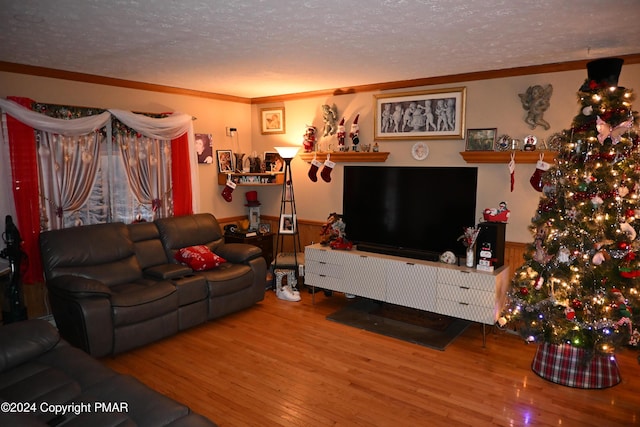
272,120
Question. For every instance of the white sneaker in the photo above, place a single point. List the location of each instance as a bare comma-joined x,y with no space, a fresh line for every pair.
294,291
286,294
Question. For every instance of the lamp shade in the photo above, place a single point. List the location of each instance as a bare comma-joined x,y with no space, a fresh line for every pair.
287,152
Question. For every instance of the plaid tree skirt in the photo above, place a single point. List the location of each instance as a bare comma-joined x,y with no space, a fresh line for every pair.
570,366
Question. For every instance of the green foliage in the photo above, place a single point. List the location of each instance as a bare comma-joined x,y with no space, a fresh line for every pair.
579,282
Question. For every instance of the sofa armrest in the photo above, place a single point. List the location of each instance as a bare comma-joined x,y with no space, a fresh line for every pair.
167,271
238,253
24,341
79,287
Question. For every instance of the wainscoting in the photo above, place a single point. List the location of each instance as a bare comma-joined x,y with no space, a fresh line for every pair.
35,295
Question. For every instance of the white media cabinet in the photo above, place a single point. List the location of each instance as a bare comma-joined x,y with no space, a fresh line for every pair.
452,290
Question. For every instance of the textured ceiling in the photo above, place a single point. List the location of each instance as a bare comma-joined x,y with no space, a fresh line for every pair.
255,48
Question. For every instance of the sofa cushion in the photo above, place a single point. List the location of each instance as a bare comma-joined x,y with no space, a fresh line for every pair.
102,252
228,279
18,346
199,258
181,231
142,300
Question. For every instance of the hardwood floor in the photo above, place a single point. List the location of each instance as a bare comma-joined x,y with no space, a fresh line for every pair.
283,364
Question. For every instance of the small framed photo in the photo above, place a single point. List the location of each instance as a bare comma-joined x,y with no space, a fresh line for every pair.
225,161
481,139
204,148
287,224
273,162
272,120
264,228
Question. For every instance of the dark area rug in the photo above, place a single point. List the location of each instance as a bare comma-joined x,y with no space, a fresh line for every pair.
416,326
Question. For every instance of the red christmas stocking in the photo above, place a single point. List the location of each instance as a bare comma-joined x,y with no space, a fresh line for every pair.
326,170
512,171
228,189
536,178
313,171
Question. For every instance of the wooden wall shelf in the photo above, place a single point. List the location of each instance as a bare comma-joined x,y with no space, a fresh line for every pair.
347,157
505,156
246,179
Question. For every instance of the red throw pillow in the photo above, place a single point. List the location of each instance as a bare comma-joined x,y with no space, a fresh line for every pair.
199,258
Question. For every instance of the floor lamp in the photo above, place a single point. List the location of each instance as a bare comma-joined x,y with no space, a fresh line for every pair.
288,224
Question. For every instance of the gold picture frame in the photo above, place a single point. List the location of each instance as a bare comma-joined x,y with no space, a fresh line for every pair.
428,114
272,121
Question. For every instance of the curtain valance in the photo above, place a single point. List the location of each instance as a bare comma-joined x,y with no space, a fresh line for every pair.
171,127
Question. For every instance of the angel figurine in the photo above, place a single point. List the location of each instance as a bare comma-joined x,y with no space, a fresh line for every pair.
330,116
535,101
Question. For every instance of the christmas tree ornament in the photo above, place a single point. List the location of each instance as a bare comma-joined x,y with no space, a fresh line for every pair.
628,229
623,191
605,130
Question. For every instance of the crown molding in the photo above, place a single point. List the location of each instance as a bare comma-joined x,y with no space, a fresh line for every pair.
401,84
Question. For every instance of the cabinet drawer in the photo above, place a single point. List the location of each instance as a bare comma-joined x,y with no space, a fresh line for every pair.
470,279
465,294
466,311
321,255
324,282
323,268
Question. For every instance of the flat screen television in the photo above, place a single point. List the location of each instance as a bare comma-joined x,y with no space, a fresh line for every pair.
416,212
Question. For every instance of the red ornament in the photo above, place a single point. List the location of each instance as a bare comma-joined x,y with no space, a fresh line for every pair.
570,313
524,291
623,245
630,213
576,304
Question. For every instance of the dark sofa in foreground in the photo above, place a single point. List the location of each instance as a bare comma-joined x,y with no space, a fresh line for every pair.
44,381
114,287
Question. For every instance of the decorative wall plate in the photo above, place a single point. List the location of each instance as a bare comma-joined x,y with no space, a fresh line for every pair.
420,151
503,143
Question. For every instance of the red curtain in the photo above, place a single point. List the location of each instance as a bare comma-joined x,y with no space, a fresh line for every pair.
24,172
181,176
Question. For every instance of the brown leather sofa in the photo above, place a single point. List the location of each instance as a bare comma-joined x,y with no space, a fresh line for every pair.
114,287
46,382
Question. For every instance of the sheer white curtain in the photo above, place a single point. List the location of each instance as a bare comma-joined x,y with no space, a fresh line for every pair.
147,163
67,167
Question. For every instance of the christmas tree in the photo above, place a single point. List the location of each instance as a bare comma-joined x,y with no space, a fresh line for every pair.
580,278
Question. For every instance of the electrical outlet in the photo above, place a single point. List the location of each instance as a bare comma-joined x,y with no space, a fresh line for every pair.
230,131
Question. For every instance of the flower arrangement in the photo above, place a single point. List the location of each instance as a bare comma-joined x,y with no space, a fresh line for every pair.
469,237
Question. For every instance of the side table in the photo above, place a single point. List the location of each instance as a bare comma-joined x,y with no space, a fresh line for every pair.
263,241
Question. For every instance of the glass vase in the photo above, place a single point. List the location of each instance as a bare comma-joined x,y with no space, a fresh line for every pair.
239,161
470,256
